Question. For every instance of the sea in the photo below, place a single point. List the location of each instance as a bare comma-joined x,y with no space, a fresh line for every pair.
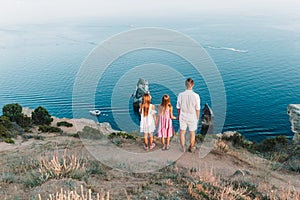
257,58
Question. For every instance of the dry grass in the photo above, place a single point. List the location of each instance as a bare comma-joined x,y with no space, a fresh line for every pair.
65,166
287,193
221,147
73,195
206,185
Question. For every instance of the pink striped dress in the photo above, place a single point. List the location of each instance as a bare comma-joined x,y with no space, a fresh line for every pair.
165,127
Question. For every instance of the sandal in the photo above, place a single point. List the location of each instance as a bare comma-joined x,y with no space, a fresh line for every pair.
146,148
192,149
167,147
152,146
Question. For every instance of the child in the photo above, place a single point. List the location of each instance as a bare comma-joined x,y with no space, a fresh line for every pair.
165,115
148,121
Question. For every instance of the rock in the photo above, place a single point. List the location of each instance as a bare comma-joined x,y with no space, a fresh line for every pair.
27,111
240,172
230,134
79,124
294,112
106,128
207,120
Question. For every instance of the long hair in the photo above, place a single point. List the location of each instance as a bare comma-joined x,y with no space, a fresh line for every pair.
165,102
146,104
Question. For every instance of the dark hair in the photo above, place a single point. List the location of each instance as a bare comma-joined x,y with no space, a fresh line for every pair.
189,82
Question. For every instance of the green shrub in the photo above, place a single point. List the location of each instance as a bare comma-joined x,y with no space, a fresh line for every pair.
199,138
33,179
237,140
9,140
118,138
8,177
94,167
24,121
64,123
27,130
272,144
4,133
40,116
122,135
49,129
90,133
293,163
4,121
12,111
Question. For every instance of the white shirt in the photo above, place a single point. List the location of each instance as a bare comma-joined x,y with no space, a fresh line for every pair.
188,102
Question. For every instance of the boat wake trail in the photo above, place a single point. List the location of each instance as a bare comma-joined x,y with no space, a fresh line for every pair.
227,48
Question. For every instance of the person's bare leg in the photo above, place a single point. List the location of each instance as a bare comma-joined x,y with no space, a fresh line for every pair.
168,143
146,140
182,139
163,142
151,145
150,139
192,139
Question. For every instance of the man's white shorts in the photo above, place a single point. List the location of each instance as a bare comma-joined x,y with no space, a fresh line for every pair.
192,125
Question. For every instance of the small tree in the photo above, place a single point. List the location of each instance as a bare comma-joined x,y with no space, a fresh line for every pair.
12,111
3,132
24,121
4,121
40,116
5,125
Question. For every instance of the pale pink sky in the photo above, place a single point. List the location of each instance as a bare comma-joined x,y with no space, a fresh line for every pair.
42,11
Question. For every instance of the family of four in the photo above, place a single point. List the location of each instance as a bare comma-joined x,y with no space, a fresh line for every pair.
188,106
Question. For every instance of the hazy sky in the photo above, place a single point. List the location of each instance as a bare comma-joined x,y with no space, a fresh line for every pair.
42,11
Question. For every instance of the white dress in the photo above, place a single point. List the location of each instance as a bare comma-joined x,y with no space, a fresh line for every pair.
147,124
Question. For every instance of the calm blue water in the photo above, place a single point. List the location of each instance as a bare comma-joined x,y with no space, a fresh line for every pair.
39,63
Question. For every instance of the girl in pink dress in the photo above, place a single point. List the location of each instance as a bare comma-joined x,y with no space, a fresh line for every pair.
165,127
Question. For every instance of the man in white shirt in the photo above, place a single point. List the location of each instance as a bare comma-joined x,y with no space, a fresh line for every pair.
188,106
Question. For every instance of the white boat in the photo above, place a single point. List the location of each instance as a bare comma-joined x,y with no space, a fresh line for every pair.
95,112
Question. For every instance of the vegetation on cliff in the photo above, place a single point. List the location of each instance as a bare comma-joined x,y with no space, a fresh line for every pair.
14,122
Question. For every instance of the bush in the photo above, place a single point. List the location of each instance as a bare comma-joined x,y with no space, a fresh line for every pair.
49,129
122,135
118,138
24,121
12,111
90,133
27,130
64,123
40,116
8,129
293,163
9,140
272,144
199,138
4,121
237,139
4,133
